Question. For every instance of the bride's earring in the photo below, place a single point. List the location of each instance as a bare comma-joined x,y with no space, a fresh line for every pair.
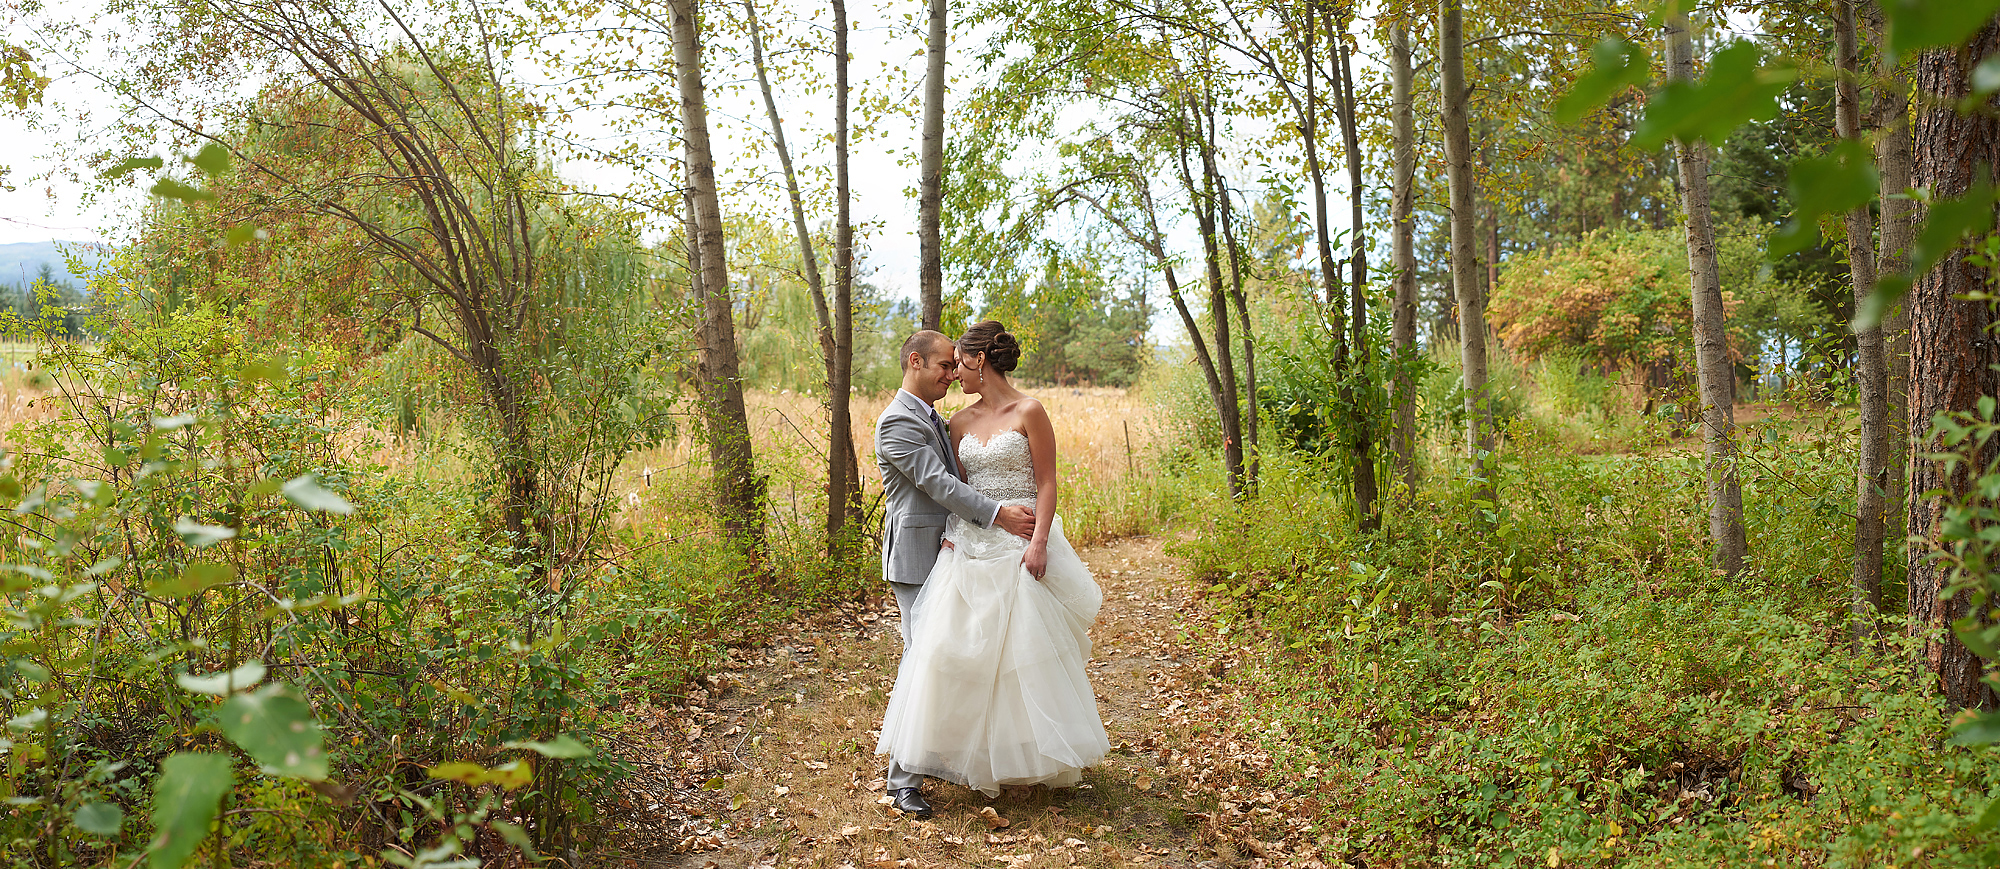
982,377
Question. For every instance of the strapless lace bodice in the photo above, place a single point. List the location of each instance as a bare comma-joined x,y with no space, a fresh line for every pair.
1000,468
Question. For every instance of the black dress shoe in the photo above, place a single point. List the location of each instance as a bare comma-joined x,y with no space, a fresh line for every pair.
910,801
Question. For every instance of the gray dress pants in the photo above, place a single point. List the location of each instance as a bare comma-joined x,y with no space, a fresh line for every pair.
906,603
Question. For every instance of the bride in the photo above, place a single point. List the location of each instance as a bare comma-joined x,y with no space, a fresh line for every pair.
992,692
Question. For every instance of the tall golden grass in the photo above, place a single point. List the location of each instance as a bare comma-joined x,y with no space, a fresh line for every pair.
1104,437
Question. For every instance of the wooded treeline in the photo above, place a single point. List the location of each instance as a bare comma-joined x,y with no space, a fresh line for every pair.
1358,217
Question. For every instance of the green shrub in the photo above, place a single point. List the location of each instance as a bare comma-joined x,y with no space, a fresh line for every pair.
1563,679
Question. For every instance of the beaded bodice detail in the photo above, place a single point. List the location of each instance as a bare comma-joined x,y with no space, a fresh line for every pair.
1001,468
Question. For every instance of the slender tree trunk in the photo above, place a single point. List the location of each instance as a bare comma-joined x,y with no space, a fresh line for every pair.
1953,351
1361,416
842,448
842,463
1711,342
1403,250
1464,234
1892,158
1252,453
930,192
1872,472
739,491
1202,195
1329,270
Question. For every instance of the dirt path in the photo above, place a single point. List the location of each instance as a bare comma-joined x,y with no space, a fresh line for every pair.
773,764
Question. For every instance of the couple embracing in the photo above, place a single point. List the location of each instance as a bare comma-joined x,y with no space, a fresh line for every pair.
996,605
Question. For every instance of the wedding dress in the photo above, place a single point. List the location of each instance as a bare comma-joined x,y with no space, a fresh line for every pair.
992,690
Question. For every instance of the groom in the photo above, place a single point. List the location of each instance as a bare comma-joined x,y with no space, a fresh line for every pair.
922,484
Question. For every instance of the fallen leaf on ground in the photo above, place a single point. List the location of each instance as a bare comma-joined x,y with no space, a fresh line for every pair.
850,831
993,818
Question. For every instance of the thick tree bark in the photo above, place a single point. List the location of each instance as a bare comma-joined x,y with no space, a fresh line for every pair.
1362,417
1403,253
1953,351
930,191
1464,234
1715,376
842,463
738,490
1871,472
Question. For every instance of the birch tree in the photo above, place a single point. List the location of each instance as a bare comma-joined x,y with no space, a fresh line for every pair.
1714,374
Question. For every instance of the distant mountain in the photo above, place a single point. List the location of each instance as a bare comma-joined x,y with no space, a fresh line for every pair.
19,263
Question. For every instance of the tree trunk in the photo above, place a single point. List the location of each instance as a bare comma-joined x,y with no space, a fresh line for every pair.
1892,157
738,489
1361,416
1715,375
1871,473
930,192
1403,252
842,450
1464,233
842,462
1253,456
1952,352
1202,196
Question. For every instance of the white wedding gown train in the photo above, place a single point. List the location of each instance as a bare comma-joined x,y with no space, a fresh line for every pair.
992,690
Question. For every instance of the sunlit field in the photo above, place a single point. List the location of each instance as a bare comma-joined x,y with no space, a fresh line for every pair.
1103,438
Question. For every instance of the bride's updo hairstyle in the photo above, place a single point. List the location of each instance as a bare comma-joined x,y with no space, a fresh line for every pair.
1002,350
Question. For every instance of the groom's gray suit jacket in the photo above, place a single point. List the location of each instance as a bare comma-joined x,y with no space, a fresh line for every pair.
921,487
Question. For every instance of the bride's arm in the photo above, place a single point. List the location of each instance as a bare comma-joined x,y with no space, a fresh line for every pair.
1042,450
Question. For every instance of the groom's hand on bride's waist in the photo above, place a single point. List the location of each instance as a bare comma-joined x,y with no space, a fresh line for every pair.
1016,519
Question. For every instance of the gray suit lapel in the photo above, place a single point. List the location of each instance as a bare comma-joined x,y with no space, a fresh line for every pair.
931,420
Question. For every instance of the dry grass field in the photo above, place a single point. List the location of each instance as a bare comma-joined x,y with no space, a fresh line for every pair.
1103,440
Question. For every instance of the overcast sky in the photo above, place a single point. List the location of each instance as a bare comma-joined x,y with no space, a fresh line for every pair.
885,34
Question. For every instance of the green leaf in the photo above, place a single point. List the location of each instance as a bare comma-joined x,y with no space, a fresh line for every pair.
242,678
185,799
277,729
1949,222
1615,65
194,579
200,536
168,188
1832,183
131,164
306,492
563,745
511,775
212,159
1986,77
243,234
1990,818
1915,25
1980,729
169,423
1738,90
99,819
515,836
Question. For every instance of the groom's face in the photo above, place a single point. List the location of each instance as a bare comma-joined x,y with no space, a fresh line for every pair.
940,369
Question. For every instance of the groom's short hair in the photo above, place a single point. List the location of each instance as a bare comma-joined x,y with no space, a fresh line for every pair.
923,342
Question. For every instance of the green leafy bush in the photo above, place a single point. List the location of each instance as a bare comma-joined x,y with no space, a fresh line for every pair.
1563,680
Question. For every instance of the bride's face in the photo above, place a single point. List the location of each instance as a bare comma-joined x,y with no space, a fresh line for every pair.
969,367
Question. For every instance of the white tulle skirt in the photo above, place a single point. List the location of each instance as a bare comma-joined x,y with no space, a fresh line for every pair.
992,690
